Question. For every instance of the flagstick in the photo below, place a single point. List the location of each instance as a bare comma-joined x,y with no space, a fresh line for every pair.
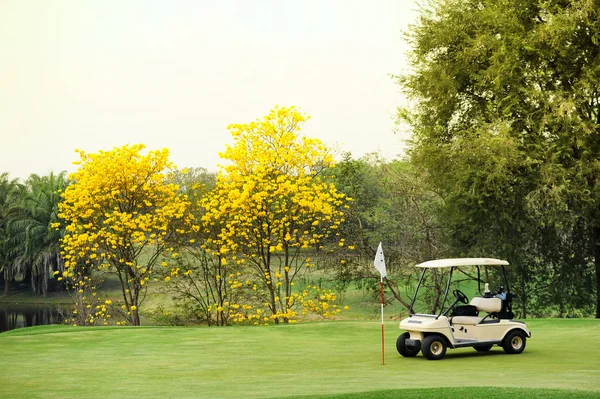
382,334
379,264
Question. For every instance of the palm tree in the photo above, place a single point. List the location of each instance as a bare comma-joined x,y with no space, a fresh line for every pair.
34,243
10,193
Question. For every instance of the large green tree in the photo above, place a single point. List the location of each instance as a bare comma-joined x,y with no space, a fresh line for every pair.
390,204
506,118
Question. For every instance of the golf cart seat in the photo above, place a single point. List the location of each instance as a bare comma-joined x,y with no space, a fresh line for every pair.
489,305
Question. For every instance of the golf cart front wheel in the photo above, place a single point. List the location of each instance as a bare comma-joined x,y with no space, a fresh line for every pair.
434,347
514,342
403,349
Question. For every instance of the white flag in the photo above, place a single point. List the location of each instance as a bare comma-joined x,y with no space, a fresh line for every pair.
380,261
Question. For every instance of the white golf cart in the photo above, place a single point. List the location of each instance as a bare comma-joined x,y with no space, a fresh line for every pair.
486,320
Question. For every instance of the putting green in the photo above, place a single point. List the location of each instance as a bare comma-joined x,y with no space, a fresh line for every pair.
259,362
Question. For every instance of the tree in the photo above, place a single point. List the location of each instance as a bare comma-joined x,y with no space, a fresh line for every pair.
392,204
121,212
10,193
505,114
195,181
269,206
33,243
198,280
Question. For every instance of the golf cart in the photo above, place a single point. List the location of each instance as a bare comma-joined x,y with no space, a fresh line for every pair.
485,321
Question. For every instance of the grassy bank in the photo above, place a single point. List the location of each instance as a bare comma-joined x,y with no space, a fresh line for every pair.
109,289
363,305
26,297
305,359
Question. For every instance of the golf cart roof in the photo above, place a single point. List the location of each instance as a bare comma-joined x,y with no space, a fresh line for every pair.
462,262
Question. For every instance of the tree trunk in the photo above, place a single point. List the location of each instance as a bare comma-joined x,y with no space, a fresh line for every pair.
28,279
269,284
395,289
596,243
6,281
136,318
45,280
523,295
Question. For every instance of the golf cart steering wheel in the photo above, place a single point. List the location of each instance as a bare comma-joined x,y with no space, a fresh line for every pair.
460,296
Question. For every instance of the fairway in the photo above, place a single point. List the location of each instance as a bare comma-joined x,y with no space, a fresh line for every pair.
258,362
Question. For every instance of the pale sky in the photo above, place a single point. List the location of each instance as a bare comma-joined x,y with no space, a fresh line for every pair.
100,74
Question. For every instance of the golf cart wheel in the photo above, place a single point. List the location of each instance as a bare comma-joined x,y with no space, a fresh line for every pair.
403,349
514,342
434,347
485,348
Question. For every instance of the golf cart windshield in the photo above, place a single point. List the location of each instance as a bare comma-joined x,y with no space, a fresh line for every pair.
447,283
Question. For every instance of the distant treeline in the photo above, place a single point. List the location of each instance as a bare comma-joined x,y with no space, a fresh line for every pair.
392,201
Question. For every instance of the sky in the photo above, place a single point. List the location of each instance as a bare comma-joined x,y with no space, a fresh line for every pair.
92,75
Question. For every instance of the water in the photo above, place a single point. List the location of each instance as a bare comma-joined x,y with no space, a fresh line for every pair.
19,316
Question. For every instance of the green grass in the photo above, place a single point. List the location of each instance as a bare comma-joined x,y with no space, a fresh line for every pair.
26,297
313,359
110,289
463,393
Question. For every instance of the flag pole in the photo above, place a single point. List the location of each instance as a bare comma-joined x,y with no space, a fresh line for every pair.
382,333
379,264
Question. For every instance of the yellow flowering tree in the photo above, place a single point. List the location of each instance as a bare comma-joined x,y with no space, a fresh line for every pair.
270,205
197,280
122,212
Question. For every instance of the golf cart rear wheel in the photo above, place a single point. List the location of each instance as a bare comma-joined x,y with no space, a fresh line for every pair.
403,349
485,348
434,347
514,342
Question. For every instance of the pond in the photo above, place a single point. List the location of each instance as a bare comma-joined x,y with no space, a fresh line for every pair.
18,316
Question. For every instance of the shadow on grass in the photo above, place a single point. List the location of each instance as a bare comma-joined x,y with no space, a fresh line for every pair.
451,354
474,354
